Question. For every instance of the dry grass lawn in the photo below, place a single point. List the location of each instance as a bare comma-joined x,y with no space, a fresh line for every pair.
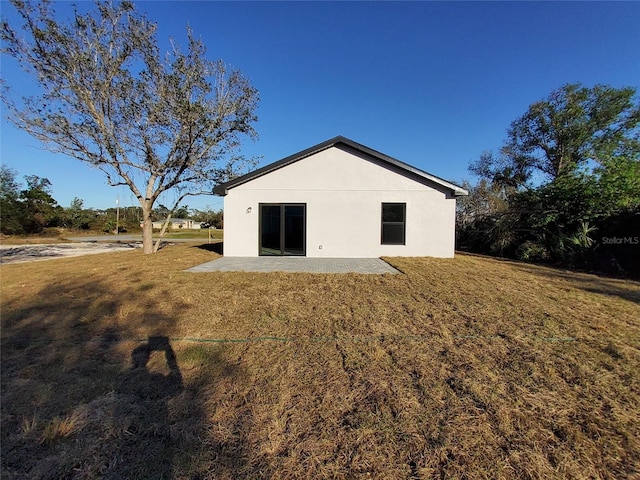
460,368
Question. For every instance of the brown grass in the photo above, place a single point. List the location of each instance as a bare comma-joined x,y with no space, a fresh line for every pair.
459,368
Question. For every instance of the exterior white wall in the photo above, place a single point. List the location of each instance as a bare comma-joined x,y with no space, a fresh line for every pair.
344,195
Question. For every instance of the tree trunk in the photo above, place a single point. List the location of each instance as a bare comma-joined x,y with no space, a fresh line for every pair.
147,231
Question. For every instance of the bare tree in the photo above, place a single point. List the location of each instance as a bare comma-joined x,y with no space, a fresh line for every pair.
152,122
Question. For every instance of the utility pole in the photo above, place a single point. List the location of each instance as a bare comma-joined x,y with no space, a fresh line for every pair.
117,214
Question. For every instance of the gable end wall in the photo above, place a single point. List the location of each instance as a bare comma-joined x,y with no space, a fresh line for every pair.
344,195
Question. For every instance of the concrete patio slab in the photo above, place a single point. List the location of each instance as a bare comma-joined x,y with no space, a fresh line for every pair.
374,266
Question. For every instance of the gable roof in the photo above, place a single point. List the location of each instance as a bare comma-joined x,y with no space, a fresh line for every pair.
385,160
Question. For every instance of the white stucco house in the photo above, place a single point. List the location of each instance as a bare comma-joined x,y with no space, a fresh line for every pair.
339,199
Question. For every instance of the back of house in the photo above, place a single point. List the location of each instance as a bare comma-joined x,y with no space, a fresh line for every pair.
339,199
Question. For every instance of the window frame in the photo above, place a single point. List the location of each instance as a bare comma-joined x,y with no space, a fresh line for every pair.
383,223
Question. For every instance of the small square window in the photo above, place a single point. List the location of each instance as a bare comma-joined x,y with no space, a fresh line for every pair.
393,223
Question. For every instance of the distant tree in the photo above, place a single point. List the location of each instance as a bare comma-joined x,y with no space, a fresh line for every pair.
218,220
76,216
153,122
483,219
182,212
560,135
40,208
484,199
11,209
160,213
212,217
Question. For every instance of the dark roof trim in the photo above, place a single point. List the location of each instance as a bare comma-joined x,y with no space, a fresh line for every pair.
224,188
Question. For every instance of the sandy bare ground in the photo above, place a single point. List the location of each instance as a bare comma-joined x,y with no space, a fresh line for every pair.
31,253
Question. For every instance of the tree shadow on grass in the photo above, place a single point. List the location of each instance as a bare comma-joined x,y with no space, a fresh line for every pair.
90,392
625,289
212,247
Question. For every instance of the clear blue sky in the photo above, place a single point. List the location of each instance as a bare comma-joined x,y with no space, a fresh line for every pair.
432,84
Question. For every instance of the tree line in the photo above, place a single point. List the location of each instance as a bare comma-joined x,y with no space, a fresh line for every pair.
564,188
30,209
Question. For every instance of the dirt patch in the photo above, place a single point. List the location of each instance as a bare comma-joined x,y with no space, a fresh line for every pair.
31,253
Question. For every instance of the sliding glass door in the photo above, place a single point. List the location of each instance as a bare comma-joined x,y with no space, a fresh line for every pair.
282,229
